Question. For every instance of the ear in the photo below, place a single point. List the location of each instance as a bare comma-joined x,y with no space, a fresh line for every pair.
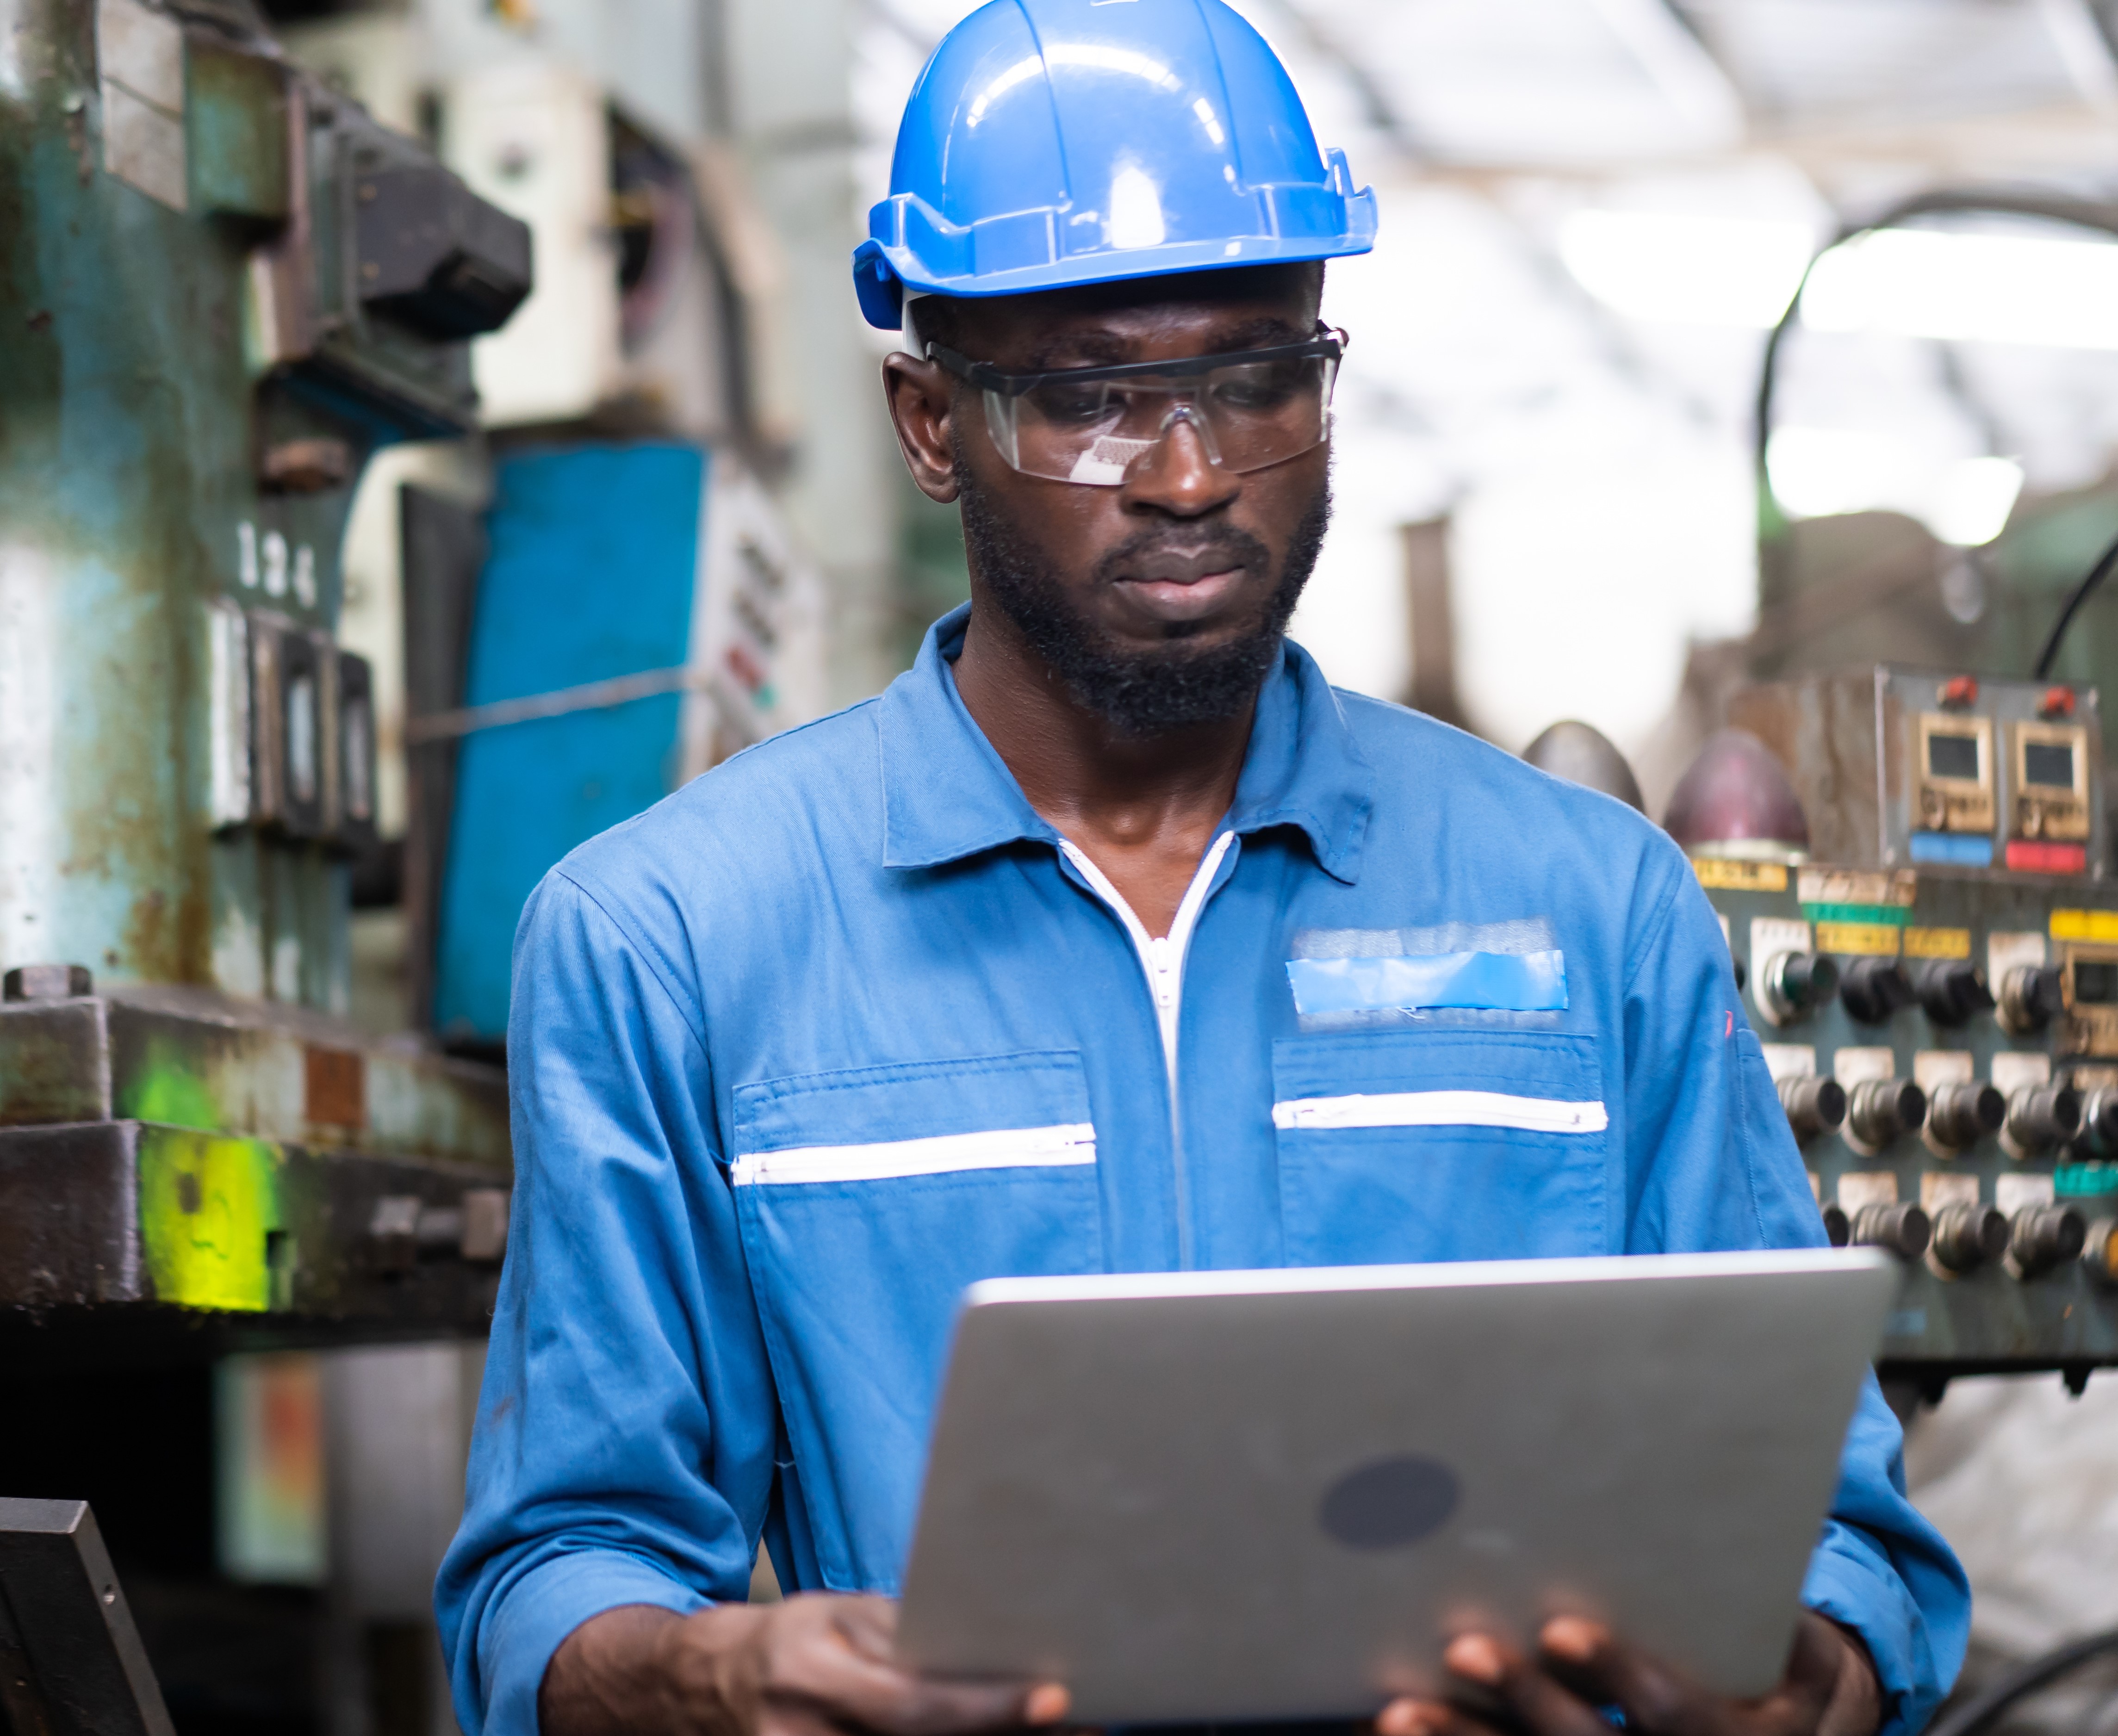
921,402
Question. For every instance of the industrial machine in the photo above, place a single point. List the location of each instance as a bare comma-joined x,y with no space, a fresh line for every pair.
227,286
1911,872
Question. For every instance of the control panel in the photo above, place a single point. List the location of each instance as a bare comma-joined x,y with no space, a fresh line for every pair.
1944,1043
1913,768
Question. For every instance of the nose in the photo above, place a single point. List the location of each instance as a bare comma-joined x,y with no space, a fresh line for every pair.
1177,474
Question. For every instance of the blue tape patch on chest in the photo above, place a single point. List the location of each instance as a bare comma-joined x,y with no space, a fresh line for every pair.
1515,982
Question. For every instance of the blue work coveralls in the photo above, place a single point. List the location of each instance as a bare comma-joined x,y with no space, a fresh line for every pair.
844,1025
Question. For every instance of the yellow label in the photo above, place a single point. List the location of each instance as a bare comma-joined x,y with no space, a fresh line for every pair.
206,1205
1729,874
1867,939
1937,943
2085,924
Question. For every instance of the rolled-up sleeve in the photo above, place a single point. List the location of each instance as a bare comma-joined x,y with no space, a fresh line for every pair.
623,1451
1711,1164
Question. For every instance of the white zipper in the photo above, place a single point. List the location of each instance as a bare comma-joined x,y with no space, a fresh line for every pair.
1163,960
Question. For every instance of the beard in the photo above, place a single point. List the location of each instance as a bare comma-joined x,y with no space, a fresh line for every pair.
1168,686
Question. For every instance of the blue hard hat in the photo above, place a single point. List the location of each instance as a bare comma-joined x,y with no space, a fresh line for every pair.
1051,142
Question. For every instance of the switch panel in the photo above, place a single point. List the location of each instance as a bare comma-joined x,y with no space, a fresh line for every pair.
1967,1120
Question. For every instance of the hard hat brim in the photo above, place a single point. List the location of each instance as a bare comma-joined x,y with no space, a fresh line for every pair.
882,274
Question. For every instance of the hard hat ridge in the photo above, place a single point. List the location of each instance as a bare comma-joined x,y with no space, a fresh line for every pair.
1054,142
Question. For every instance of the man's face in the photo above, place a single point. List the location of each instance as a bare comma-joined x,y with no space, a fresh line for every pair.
1160,602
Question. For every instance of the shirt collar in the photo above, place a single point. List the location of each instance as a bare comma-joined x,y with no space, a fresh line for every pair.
946,795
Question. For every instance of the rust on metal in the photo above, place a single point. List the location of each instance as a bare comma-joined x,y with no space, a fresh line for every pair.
334,1088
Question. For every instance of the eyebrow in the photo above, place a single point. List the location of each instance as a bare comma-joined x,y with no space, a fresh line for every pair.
1104,349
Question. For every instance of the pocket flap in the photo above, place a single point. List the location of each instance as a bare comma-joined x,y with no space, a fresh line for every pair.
1534,1082
915,1118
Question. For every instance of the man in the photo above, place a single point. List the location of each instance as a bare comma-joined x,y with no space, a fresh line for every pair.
1010,971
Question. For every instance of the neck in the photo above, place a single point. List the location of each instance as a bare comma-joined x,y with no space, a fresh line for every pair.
1101,788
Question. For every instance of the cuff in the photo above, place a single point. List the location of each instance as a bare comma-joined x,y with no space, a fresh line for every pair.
538,1611
1843,1584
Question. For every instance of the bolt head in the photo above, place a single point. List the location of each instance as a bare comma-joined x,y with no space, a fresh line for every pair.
47,983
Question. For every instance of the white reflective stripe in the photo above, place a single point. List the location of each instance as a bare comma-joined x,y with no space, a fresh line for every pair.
1442,1108
1003,1148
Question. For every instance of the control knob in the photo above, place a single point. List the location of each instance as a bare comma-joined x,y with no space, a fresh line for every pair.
2042,1237
1967,1236
1812,1106
2098,1137
2031,996
1791,984
2040,1117
1837,1229
1961,1116
1874,988
1878,1110
1903,1229
2099,1251
1951,990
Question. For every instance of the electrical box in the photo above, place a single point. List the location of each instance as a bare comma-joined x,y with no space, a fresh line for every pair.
1908,766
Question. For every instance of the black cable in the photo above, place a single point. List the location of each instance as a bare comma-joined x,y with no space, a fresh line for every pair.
2097,574
1981,1708
2054,208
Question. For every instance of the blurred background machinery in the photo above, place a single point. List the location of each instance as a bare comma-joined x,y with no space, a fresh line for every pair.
227,287
352,487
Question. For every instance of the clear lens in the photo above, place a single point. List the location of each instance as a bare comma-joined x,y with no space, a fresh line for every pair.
1248,416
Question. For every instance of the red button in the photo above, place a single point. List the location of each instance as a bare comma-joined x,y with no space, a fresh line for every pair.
2032,857
1960,689
2058,702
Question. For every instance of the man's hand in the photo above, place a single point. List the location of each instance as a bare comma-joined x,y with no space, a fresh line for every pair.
1829,1689
815,1665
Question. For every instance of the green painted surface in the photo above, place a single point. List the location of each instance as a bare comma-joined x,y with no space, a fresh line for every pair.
2085,1180
1887,915
168,1087
208,1205
235,139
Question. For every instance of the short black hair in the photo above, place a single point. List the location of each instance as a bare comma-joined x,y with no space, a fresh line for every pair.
939,319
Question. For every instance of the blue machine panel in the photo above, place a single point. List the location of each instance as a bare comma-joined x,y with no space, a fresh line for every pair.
592,573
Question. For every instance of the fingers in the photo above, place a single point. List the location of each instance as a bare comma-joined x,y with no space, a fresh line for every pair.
838,1661
1605,1671
1428,1718
1581,1666
1524,1688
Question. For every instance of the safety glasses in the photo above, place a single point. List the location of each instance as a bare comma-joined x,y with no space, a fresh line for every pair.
1250,409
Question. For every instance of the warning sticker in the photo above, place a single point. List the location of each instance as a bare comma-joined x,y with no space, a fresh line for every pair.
1862,940
1937,943
1728,874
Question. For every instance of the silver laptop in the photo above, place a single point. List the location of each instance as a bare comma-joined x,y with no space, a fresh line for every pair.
1232,1495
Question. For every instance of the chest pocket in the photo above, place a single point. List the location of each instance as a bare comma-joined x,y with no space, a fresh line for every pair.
1440,1145
869,1199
